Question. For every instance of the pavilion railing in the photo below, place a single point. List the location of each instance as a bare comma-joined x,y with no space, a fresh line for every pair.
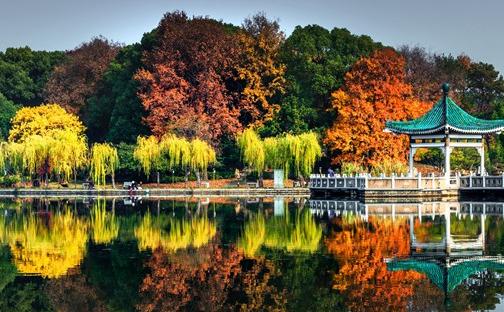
367,182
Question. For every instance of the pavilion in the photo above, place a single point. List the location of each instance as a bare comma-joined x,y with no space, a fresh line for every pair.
446,126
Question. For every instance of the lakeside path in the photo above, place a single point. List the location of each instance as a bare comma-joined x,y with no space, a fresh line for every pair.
155,192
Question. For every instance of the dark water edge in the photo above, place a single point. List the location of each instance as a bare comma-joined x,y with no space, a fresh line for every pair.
249,254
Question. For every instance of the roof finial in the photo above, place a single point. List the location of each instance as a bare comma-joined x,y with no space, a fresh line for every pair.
446,88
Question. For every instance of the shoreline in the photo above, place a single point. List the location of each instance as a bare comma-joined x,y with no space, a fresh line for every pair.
155,192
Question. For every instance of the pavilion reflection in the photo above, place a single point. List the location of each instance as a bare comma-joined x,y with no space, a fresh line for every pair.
447,240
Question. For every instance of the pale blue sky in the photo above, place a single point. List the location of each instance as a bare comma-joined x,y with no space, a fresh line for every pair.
449,26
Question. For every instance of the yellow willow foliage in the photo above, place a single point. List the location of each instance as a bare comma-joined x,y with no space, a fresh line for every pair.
303,235
148,153
36,152
172,234
4,155
13,154
49,251
104,161
177,149
253,235
68,153
278,153
104,225
309,152
202,155
252,149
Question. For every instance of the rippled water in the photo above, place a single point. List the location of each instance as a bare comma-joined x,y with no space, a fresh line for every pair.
227,254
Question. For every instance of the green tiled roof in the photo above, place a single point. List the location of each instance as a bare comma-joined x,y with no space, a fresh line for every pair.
446,114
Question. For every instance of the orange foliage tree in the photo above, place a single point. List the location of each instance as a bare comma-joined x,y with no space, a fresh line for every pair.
259,69
363,277
374,92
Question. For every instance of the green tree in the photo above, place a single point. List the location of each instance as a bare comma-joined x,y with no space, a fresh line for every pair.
316,61
24,73
7,111
115,112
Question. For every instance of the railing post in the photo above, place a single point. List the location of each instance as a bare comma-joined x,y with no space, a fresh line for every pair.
366,182
483,179
470,180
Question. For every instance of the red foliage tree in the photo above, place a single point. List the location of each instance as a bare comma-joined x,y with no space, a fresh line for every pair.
188,78
76,79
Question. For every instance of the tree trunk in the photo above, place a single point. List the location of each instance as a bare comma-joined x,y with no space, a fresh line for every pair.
186,177
198,177
157,178
261,179
301,180
113,181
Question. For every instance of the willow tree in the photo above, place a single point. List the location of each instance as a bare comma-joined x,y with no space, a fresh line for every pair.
278,153
287,152
252,151
306,151
202,155
149,154
104,161
177,151
68,154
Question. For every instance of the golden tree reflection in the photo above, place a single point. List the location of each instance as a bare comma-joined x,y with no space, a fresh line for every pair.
303,234
47,247
172,234
104,225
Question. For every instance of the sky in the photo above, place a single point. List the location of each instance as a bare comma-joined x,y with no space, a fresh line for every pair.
448,26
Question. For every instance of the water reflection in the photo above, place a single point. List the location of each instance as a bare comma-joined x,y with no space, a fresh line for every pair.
294,234
249,254
445,252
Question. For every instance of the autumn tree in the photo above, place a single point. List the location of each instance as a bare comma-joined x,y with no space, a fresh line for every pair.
75,80
222,279
374,92
259,68
184,81
46,139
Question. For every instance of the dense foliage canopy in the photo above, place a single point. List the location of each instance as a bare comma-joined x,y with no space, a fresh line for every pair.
203,80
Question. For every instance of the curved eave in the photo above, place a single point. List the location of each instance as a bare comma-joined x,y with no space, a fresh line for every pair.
450,127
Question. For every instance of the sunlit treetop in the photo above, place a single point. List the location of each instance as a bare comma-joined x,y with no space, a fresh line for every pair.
43,120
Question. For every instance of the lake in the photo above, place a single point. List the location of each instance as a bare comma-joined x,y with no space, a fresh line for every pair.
266,254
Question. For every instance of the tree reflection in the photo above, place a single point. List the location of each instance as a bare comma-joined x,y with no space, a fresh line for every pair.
172,234
363,277
104,225
47,246
223,281
302,234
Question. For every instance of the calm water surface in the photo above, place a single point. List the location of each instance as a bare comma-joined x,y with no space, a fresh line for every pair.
249,254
